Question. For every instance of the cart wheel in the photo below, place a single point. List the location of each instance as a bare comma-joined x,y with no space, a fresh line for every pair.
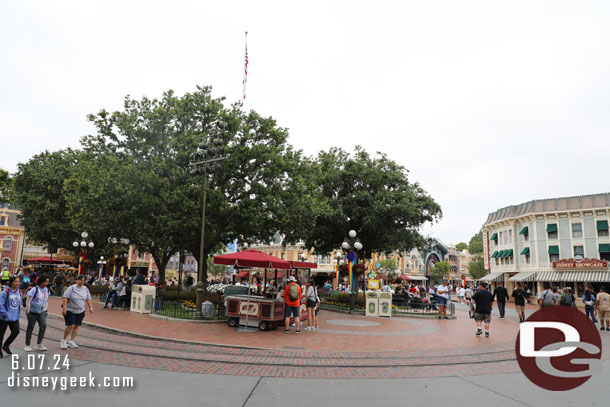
264,326
233,322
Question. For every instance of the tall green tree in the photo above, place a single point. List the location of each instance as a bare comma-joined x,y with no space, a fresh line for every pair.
39,193
475,246
388,264
138,180
476,268
6,186
461,246
440,271
370,194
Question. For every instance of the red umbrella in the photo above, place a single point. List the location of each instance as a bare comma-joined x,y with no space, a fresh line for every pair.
252,258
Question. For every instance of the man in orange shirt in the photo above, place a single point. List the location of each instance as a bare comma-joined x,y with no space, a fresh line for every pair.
292,299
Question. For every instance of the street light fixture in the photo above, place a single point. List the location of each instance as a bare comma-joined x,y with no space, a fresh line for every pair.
347,245
83,248
205,161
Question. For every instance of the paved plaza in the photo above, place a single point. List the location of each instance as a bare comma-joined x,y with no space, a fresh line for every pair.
350,360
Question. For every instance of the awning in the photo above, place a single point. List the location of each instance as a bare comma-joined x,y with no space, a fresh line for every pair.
494,237
553,249
302,265
329,271
524,231
492,277
500,254
493,256
574,276
419,278
525,251
551,227
604,247
602,225
509,253
524,276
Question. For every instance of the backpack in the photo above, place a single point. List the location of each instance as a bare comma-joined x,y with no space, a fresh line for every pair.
293,292
26,279
566,299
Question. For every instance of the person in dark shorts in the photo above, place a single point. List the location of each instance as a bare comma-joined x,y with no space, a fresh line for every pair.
292,299
76,298
483,300
520,299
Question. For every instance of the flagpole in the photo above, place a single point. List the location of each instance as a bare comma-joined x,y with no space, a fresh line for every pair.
245,80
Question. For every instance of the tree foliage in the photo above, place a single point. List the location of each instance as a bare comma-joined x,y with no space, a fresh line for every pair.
371,195
461,246
6,186
137,182
388,264
39,193
475,246
440,271
476,268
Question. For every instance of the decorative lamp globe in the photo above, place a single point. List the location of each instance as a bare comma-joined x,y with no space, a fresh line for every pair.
91,244
345,245
84,235
83,244
75,244
352,233
358,245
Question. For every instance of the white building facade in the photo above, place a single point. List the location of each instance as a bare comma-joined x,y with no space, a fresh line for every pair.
562,241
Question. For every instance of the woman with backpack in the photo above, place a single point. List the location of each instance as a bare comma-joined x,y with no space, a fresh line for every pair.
589,300
36,304
10,309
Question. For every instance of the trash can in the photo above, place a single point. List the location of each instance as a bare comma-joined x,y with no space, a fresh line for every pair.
208,309
385,304
142,298
372,304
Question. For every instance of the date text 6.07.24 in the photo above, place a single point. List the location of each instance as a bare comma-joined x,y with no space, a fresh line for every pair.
39,362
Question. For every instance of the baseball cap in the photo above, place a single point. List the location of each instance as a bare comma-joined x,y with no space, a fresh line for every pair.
291,278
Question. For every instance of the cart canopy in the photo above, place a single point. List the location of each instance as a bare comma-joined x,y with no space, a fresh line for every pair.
252,258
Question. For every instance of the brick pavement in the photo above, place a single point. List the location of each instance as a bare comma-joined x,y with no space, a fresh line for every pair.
432,348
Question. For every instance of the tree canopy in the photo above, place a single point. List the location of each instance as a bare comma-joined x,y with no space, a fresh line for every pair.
476,268
440,271
461,246
476,244
6,186
371,195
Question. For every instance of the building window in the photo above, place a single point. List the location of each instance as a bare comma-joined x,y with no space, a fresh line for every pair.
527,259
5,263
551,230
8,243
576,230
579,251
283,256
510,236
526,238
2,220
553,257
497,262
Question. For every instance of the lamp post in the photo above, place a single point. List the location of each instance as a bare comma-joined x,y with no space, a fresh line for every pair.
205,161
117,252
352,242
83,244
101,264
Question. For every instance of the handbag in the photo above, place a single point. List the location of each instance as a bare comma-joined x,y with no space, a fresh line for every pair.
38,308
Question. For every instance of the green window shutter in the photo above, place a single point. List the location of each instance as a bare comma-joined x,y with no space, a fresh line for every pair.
602,225
604,247
494,237
525,231
510,253
525,251
493,256
551,227
553,249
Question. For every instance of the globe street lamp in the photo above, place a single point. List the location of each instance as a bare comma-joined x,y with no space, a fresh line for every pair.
83,244
102,264
205,161
352,242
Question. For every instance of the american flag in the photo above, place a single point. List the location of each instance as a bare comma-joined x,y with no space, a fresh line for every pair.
246,67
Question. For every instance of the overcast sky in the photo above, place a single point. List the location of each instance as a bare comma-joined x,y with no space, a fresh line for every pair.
487,103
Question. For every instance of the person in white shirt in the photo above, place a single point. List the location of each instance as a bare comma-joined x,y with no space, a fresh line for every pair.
442,298
461,294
